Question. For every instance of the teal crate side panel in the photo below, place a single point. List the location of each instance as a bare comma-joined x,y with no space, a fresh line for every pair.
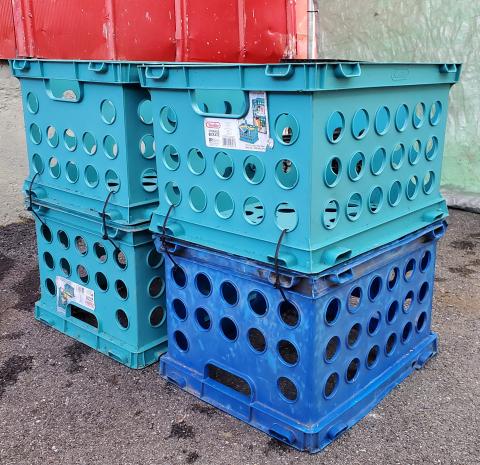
127,286
265,187
101,152
365,190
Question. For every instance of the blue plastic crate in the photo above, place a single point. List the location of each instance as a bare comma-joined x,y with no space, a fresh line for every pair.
348,156
89,133
307,368
107,293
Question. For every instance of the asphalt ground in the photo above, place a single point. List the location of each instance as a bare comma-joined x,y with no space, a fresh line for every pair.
62,403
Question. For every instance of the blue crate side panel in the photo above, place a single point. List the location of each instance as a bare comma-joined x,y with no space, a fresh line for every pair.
121,325
380,318
365,186
81,153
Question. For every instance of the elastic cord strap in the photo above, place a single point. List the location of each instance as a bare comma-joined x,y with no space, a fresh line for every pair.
104,222
277,284
30,201
163,237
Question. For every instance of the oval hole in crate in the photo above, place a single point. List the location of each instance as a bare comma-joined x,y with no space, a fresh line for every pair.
356,166
196,161
287,388
355,298
286,129
35,134
179,276
82,273
156,287
223,165
287,352
419,115
91,176
401,118
352,370
286,217
46,233
393,276
408,301
335,127
375,200
423,293
65,266
181,341
89,143
392,311
425,261
429,182
37,163
108,111
54,167
257,302
372,357
71,170
375,288
147,146
398,156
254,169
52,137
32,103
354,207
224,206
229,328
253,210
257,340
286,174
354,335
407,332
391,344
332,311
157,316
395,194
70,140
48,259
360,124
414,152
229,293
145,111
100,252
154,259
168,119
63,239
377,165
332,349
203,284
171,157
122,318
431,149
374,323
101,281
333,171
421,322
173,193
50,285
435,113
409,269
149,180
412,188
121,289
110,147
112,181
331,214
382,121
198,199
289,313
180,309
203,319
331,385
81,245
120,259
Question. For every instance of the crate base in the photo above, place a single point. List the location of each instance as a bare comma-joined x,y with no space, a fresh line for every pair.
319,435
101,342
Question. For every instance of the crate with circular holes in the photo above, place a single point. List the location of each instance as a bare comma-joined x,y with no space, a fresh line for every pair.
300,357
345,156
106,291
89,134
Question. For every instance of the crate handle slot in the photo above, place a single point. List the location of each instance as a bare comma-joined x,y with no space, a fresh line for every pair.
279,71
336,255
228,112
150,73
335,431
341,278
21,65
64,90
449,68
438,232
177,380
229,382
117,356
346,71
98,67
281,433
433,215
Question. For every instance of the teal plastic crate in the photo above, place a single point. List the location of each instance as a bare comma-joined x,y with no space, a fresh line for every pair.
108,293
348,156
89,134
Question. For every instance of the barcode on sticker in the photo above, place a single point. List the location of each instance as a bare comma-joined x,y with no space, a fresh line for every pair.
229,142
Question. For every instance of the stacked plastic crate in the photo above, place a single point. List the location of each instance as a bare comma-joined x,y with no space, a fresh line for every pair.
92,189
299,262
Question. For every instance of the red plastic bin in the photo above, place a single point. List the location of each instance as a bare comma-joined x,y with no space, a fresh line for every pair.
7,30
151,30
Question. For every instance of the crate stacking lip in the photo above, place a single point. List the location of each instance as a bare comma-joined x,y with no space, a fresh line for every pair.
345,157
306,367
89,137
107,291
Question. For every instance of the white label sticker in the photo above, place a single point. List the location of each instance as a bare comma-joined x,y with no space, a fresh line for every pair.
248,133
69,292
